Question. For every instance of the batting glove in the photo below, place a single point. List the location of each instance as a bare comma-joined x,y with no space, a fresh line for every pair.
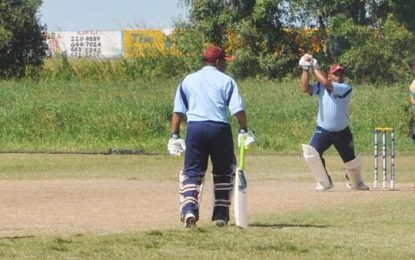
306,61
315,64
248,137
176,146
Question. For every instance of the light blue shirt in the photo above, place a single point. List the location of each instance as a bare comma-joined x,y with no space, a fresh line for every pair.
333,107
207,95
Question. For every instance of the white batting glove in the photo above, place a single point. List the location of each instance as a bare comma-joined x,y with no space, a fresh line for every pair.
306,61
176,146
314,64
248,137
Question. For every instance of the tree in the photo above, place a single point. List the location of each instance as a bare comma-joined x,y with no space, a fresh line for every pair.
375,54
358,29
22,41
318,13
404,11
268,36
247,28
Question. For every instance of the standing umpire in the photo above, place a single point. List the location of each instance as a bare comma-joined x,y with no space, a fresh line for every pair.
205,97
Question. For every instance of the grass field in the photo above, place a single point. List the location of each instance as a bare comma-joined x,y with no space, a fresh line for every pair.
288,220
91,116
78,206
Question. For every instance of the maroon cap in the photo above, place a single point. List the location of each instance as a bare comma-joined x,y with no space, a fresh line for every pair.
336,67
214,53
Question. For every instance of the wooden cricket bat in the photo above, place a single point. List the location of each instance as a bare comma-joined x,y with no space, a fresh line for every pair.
240,192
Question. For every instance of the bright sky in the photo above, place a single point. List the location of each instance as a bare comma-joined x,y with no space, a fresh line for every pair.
66,15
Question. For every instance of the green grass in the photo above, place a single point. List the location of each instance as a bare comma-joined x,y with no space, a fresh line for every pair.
165,168
378,230
70,116
93,115
70,166
284,117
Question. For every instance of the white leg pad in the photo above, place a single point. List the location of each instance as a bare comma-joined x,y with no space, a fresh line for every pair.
354,173
313,160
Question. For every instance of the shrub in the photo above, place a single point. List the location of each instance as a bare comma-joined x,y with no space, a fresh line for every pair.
375,54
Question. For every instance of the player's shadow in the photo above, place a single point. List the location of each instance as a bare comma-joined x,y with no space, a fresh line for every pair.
282,225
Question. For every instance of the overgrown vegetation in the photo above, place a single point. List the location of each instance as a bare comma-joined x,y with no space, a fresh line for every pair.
72,115
152,67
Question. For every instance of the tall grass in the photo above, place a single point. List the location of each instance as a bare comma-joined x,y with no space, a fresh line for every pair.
83,116
152,66
284,117
94,114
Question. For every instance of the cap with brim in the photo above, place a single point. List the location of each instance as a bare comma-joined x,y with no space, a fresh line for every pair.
229,57
336,67
215,53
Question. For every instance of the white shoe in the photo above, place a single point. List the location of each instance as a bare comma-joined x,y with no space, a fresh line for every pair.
361,186
221,222
321,187
190,220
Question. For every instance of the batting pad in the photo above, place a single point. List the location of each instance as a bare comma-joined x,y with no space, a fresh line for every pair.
354,171
313,160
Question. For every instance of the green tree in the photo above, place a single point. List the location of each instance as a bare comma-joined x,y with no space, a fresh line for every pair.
317,13
22,46
375,54
207,24
404,11
373,37
247,28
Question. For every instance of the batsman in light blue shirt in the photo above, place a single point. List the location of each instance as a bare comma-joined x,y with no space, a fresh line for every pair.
207,98
333,107
334,97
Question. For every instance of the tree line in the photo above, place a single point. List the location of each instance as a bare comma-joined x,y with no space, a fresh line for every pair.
373,39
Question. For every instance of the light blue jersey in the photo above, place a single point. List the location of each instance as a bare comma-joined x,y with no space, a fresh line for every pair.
333,109
207,95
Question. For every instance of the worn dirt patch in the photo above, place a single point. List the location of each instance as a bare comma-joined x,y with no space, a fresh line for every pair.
107,206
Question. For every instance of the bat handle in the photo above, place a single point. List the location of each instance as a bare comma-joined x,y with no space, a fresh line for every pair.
242,154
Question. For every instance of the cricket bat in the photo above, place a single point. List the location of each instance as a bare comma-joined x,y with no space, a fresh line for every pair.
240,192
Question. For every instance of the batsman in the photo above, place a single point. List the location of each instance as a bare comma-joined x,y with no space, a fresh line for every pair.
207,97
333,118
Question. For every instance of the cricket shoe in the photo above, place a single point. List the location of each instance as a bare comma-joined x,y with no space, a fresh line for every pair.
190,220
361,186
221,222
321,187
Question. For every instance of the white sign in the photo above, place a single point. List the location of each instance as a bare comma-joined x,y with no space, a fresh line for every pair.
85,44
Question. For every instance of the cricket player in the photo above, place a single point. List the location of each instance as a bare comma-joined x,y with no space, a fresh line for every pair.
334,96
206,97
412,99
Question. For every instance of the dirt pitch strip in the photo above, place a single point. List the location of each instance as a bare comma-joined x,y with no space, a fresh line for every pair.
106,206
